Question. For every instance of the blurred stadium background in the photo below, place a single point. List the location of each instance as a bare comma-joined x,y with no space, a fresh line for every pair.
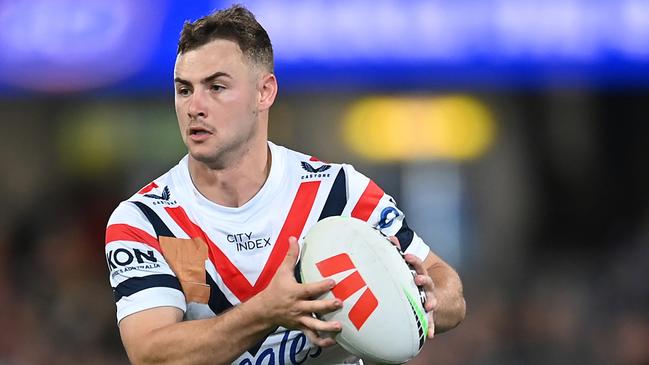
514,133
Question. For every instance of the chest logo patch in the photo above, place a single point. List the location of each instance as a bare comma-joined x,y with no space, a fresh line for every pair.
248,241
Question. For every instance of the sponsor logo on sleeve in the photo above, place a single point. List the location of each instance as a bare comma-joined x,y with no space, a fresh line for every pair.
124,259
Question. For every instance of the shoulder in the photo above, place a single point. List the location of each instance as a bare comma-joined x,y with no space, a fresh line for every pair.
161,190
312,166
163,186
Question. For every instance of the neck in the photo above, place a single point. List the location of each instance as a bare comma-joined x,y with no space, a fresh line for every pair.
238,182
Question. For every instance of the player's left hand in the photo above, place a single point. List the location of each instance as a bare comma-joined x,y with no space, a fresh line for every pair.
424,281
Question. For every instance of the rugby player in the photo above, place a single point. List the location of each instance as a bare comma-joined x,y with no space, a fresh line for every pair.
202,260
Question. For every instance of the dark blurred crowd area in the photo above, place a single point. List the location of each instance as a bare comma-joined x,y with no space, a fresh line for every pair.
555,267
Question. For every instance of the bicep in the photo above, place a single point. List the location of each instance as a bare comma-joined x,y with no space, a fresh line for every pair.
136,328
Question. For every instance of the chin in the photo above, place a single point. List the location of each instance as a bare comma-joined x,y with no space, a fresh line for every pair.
211,157
203,155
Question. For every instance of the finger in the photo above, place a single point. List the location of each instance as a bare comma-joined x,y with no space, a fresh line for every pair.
416,263
425,281
320,306
292,254
431,326
314,290
319,325
395,241
431,302
317,340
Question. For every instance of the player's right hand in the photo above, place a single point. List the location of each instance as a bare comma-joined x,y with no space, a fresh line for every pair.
291,305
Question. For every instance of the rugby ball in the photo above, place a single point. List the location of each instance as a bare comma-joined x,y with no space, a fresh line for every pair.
383,318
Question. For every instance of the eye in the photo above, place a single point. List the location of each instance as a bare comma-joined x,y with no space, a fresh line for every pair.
217,87
183,91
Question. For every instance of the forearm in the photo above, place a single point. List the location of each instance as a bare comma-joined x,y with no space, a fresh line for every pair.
159,336
451,306
218,340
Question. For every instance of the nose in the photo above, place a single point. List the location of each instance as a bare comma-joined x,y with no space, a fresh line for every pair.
197,105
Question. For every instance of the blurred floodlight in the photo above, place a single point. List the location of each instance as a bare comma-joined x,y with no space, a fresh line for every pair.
418,128
75,45
359,45
460,30
95,138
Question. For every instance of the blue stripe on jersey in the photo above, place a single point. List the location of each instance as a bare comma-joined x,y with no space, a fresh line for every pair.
405,235
218,303
255,348
133,285
297,272
337,198
160,228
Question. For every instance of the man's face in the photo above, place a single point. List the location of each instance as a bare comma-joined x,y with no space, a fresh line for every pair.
216,101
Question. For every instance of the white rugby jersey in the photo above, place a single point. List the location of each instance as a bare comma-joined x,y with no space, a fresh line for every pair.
168,245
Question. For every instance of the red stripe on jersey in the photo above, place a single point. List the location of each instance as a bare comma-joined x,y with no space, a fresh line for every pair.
293,226
313,158
231,275
148,188
368,201
124,232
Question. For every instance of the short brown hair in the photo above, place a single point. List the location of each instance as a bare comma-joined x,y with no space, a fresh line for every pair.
236,24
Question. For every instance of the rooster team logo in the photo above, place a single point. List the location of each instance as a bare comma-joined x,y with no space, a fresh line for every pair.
366,304
388,215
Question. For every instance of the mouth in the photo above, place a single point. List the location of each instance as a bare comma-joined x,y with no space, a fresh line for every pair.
198,131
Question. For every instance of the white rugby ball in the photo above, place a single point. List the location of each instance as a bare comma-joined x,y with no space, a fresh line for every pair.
383,319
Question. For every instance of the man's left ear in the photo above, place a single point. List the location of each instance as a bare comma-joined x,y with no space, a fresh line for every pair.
267,89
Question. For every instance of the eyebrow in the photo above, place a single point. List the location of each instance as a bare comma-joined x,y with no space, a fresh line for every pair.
206,80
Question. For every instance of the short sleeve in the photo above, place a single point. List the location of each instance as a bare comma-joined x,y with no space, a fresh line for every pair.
367,201
138,272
